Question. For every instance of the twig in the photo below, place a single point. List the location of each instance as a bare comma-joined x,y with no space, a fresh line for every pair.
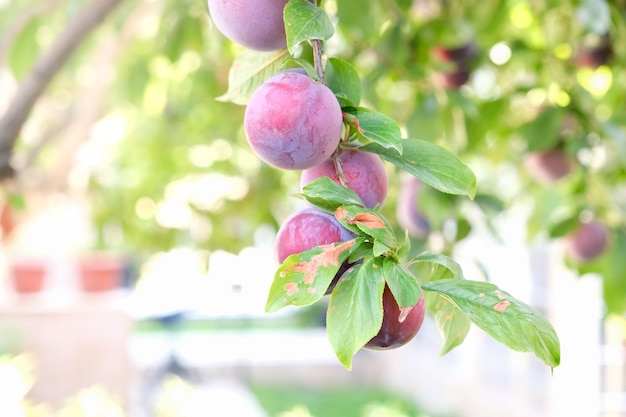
42,73
338,167
318,53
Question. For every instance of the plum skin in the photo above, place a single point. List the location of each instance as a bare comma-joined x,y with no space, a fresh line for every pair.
548,166
587,242
452,80
460,55
364,173
407,212
307,229
260,27
594,56
293,122
393,332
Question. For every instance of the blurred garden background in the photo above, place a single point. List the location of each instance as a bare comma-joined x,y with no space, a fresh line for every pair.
127,165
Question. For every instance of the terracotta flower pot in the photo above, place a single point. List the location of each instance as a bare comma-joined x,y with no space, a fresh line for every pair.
28,276
100,273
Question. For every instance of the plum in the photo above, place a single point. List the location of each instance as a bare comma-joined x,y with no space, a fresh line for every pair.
548,166
364,173
460,55
293,122
594,51
451,80
399,325
307,229
593,57
587,242
407,212
257,26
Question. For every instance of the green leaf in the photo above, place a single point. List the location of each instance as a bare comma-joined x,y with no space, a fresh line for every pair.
304,21
327,195
355,310
451,323
506,319
249,70
25,49
431,164
564,226
440,260
463,229
542,133
301,63
344,81
303,278
380,249
401,282
378,128
367,221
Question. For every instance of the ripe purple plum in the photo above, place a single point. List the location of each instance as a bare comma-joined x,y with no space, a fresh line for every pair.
548,166
407,212
399,325
307,229
259,26
594,51
293,122
460,55
364,173
587,242
451,80
593,57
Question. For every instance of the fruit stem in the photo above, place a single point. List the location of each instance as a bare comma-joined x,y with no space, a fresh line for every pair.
338,168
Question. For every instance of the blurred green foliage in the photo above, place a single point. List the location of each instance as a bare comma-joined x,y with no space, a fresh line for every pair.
163,185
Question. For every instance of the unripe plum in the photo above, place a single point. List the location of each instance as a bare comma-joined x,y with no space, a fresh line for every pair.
548,166
293,122
364,173
407,212
307,229
398,327
257,26
587,242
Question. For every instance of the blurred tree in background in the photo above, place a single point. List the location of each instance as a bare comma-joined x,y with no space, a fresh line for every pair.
132,118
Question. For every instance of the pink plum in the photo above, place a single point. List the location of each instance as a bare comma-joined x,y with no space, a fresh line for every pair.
293,122
257,26
587,242
307,229
364,173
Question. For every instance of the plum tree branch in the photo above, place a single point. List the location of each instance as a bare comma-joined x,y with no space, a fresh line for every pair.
318,52
44,70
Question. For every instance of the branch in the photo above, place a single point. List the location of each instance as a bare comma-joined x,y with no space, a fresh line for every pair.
42,73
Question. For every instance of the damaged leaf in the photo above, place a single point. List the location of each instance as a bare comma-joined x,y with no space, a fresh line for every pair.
505,318
367,222
303,278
